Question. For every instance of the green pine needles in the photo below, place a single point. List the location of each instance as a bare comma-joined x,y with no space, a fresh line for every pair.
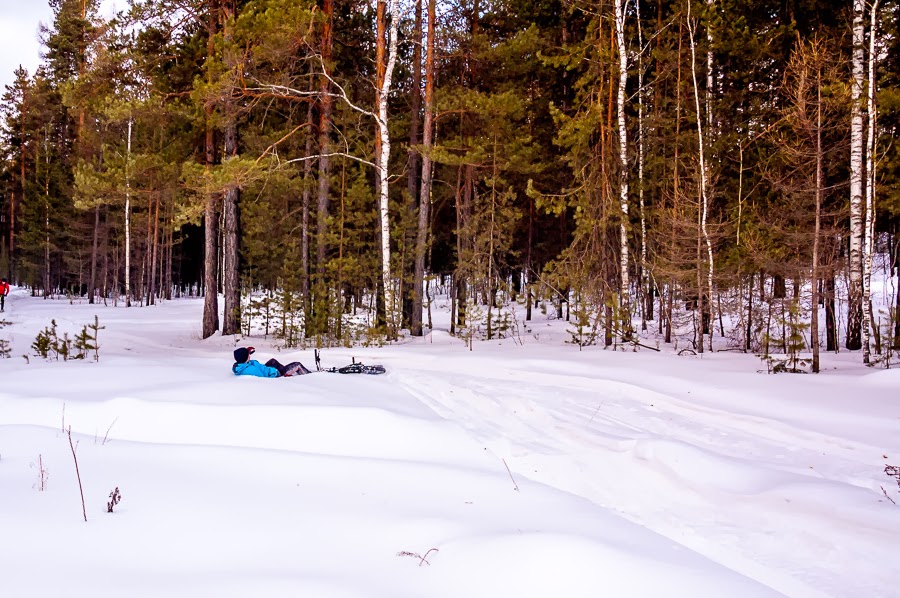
48,343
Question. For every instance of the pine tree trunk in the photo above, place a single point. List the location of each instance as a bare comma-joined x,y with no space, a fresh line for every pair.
413,173
211,250
527,275
820,181
831,335
304,219
897,303
22,184
92,285
170,210
322,204
155,255
104,251
231,321
854,304
425,192
47,215
647,303
413,176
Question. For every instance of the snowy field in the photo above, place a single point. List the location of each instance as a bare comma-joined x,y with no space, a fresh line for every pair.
629,474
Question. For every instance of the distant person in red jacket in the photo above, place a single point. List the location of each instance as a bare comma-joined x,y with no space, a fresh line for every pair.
4,291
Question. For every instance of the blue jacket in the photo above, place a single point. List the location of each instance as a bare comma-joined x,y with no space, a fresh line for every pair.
254,368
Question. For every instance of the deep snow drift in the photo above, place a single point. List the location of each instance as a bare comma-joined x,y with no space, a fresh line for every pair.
630,474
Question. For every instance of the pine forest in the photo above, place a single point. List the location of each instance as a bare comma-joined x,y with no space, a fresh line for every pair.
711,174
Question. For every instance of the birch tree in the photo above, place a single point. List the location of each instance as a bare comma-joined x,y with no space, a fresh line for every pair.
624,290
854,305
704,207
128,215
383,158
869,323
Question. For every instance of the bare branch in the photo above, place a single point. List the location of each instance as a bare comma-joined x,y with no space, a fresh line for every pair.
77,473
332,154
516,486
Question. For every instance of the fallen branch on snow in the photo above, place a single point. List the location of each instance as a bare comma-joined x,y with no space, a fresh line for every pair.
422,559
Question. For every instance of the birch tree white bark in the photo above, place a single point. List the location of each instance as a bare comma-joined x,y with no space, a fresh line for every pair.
384,157
128,217
870,192
704,207
624,292
854,304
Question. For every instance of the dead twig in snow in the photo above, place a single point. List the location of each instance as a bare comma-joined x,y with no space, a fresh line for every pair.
106,436
422,559
78,474
114,498
893,471
516,486
41,484
886,495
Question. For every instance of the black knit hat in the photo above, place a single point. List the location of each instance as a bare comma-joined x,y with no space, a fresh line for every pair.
242,354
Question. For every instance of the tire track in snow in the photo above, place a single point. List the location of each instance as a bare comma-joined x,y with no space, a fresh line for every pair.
677,468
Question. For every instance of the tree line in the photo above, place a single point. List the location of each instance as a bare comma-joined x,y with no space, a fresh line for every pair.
675,164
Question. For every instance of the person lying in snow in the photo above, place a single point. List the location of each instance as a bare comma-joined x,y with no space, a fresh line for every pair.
244,366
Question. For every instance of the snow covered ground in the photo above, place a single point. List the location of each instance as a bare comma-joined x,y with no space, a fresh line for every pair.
630,474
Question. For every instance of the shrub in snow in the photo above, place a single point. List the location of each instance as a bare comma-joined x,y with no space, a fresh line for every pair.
48,342
584,325
86,341
45,341
792,342
114,498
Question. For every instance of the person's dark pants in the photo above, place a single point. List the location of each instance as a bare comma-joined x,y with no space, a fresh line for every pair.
292,369
2,302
